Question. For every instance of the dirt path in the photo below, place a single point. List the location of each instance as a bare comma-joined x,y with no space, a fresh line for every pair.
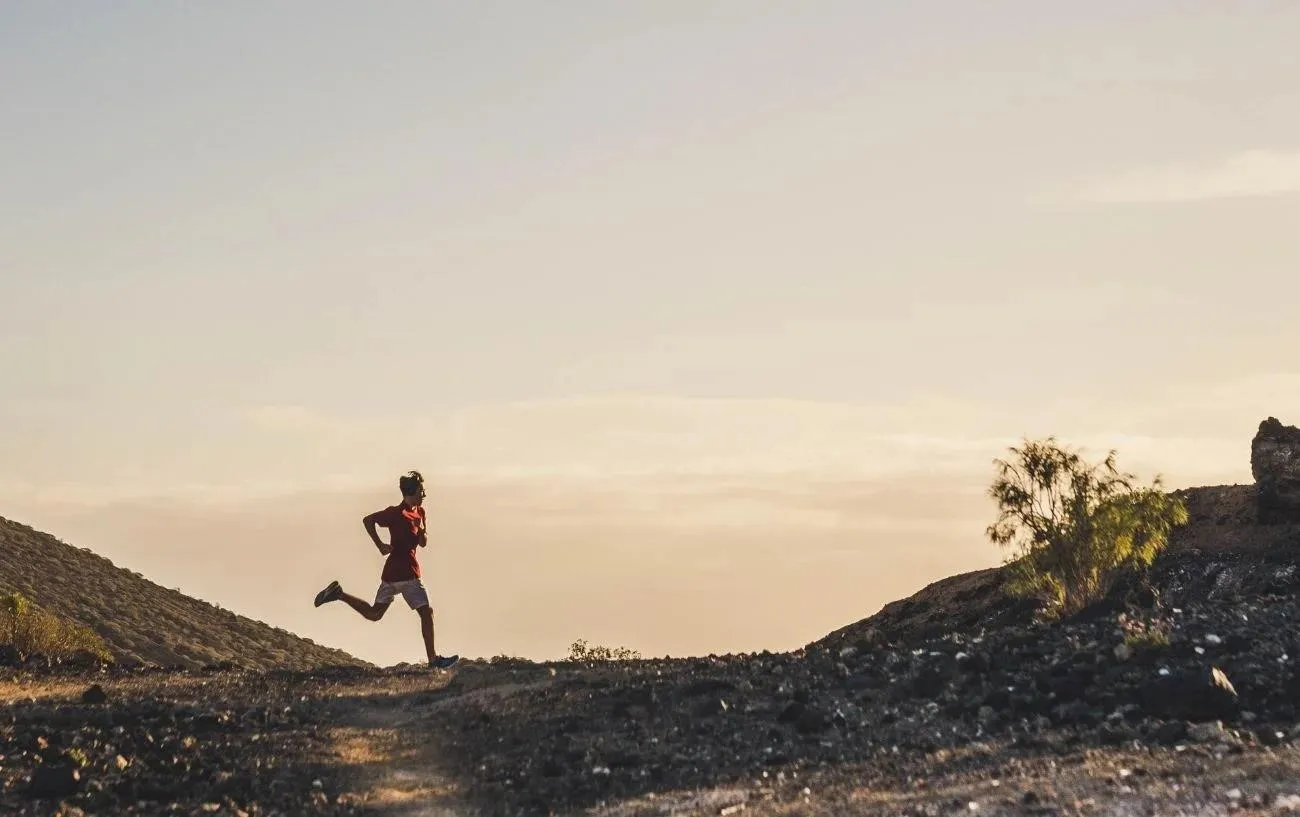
386,735
396,774
379,736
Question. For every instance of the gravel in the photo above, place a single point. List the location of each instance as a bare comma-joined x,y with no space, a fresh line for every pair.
1065,718
1225,684
178,742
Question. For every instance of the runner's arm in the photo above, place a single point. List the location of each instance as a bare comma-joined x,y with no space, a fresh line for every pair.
369,521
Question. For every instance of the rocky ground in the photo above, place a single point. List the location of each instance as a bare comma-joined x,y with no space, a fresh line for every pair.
1074,718
166,741
1035,720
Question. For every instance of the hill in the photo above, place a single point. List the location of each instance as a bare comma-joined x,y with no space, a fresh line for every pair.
1221,530
140,621
1232,544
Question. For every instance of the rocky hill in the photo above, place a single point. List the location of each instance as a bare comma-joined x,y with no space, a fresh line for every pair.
1239,540
140,621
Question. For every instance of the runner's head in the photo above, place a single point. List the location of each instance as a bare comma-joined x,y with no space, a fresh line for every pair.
412,487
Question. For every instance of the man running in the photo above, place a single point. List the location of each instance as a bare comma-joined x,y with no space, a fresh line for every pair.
405,522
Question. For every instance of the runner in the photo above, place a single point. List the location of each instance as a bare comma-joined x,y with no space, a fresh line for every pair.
405,522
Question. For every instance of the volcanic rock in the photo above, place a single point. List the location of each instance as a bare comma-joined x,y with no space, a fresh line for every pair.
54,781
94,694
1275,465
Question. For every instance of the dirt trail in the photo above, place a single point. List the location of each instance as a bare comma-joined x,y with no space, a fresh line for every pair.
386,735
389,741
380,736
397,775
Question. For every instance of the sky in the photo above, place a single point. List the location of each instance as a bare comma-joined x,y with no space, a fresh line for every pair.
705,320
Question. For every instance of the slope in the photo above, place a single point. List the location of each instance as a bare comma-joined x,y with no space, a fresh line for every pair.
1220,549
141,621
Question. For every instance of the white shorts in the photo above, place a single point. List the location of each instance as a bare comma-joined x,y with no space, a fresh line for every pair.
412,590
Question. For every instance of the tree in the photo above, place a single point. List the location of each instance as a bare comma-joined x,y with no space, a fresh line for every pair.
1073,525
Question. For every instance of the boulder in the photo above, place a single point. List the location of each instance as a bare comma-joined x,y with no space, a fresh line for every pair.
1275,465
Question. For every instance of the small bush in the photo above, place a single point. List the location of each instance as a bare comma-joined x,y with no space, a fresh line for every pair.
1144,633
32,631
1075,525
582,651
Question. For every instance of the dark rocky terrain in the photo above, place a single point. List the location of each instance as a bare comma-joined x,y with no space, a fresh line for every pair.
1061,719
1179,694
161,741
1220,551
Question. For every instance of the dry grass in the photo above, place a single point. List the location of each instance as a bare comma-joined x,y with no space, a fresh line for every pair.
53,690
139,620
32,631
24,686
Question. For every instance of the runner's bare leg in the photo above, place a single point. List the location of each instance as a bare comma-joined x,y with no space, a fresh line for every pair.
426,628
371,612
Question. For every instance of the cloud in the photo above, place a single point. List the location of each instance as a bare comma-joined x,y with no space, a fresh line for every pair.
1252,173
653,446
636,434
592,438
661,439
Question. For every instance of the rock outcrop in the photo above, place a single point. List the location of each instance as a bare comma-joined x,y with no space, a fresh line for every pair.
1275,465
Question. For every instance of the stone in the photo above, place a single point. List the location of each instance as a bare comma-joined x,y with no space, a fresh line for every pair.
51,782
1171,732
94,695
1208,732
1275,466
1190,694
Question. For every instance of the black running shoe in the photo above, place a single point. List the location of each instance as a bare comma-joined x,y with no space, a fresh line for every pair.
330,593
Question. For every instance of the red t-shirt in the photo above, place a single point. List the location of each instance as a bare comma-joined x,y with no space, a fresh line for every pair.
406,532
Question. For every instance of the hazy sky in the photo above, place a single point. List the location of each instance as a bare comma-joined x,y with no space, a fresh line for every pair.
704,319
